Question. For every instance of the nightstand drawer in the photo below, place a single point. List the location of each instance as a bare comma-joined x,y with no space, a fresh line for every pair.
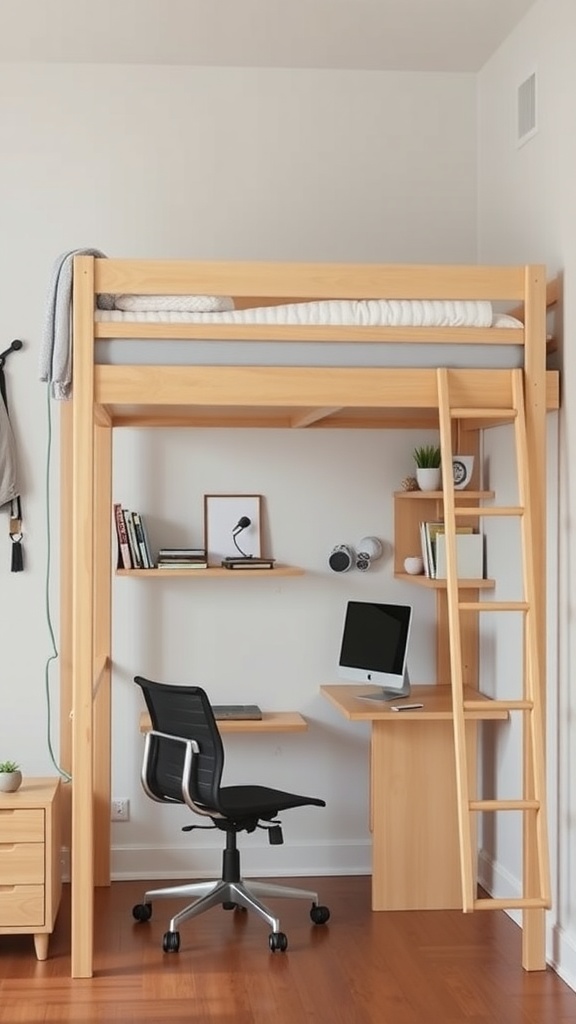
21,906
21,863
22,826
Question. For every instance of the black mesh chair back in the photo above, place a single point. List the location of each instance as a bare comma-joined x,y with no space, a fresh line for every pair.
183,711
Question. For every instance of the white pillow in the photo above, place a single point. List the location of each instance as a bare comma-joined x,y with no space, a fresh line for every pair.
505,320
174,303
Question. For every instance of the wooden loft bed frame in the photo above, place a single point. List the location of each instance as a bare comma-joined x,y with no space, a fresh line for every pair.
310,397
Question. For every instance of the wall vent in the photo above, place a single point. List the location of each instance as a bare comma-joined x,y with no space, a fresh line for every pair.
527,126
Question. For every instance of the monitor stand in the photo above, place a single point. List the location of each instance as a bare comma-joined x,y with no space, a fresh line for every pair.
385,694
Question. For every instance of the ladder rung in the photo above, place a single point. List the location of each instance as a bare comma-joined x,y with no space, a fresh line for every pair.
494,606
485,414
499,705
504,510
518,903
504,805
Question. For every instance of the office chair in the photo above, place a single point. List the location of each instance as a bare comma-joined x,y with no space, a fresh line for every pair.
183,763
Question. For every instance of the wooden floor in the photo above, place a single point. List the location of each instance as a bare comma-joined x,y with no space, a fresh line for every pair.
361,968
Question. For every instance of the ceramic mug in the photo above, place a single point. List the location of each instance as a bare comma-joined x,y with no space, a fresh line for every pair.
462,469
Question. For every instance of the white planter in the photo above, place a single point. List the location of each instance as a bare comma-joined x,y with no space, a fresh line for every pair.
429,479
10,781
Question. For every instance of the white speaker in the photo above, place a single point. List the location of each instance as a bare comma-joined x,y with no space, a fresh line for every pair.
369,549
341,558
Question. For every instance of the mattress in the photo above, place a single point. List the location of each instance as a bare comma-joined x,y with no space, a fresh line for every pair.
347,312
352,313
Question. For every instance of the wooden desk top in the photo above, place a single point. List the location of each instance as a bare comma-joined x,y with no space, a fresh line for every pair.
437,701
34,792
271,721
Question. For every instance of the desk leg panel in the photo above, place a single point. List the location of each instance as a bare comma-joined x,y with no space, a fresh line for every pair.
415,849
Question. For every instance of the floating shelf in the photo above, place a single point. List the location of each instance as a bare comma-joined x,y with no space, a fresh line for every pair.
462,495
425,581
213,572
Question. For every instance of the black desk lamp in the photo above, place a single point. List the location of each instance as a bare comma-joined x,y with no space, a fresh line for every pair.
242,523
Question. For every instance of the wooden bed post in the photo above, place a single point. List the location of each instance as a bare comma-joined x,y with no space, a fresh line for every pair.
102,646
534,921
82,859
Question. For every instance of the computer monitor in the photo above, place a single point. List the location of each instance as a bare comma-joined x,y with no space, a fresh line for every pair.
375,647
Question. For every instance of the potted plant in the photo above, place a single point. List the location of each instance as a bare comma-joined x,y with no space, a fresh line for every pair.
10,777
428,474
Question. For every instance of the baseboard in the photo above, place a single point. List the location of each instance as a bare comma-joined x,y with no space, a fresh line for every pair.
134,862
563,955
499,882
560,946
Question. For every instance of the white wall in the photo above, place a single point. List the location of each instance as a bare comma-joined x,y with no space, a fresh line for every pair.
224,164
526,211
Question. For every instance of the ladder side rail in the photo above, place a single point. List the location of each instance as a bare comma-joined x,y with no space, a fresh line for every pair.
467,855
535,832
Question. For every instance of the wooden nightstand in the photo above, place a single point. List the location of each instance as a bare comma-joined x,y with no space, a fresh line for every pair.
30,874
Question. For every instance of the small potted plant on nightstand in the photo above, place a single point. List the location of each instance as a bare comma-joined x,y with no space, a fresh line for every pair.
428,474
10,777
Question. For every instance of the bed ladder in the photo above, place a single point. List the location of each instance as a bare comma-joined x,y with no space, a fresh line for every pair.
535,884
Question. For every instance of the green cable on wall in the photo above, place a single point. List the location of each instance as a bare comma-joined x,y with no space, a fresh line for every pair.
55,653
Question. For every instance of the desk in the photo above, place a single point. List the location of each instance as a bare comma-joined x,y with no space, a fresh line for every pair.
271,721
415,848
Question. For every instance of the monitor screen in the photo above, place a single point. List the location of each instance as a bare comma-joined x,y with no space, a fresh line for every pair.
375,646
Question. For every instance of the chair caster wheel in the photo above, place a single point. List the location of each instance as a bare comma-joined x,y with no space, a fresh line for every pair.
142,912
319,915
278,941
171,942
229,906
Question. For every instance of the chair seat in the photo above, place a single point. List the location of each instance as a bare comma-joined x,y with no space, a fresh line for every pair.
260,801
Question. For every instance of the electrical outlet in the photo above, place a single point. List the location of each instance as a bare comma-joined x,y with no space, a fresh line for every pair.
120,809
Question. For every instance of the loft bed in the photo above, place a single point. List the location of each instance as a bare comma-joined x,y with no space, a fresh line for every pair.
297,375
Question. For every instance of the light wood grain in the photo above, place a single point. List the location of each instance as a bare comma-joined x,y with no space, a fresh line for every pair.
266,396
271,721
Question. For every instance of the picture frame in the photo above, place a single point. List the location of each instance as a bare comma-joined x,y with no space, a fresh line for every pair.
222,514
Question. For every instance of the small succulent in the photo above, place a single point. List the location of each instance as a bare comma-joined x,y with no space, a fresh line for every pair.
427,456
9,766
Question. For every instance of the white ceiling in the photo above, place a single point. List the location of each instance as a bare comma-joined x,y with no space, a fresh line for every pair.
395,35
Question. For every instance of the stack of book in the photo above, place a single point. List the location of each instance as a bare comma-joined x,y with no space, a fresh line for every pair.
248,562
182,558
134,550
469,551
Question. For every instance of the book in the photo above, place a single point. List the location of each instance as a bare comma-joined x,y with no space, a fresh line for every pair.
147,542
432,530
182,553
429,531
139,530
134,549
124,559
173,563
238,712
469,556
248,563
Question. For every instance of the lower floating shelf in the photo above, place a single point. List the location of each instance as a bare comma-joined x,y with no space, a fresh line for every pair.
212,572
426,581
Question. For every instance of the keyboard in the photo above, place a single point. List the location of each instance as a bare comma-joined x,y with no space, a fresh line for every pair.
238,712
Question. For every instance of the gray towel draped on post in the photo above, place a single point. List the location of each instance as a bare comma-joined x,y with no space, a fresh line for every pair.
56,353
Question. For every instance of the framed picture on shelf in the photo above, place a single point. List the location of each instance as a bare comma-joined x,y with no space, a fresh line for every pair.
231,526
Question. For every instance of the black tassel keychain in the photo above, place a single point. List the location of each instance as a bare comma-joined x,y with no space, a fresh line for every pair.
16,536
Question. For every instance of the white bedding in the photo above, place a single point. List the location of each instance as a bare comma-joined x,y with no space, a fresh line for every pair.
347,312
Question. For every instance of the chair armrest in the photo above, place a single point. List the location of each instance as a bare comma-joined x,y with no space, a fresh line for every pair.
192,749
